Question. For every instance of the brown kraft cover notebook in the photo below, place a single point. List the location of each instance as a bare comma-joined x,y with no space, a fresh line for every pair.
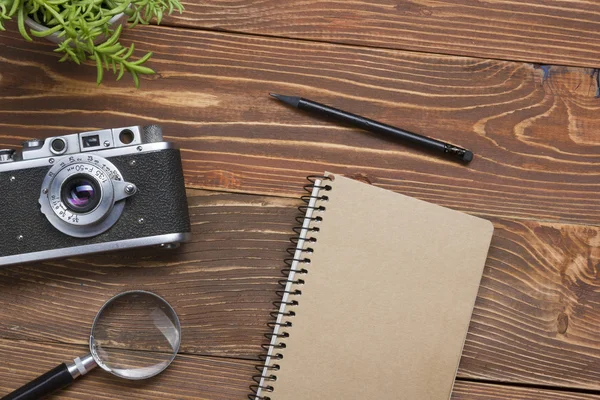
384,308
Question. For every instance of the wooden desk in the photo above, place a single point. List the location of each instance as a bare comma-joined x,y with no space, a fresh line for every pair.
465,71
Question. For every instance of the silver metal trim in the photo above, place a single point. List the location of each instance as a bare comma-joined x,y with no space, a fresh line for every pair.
135,130
123,190
32,153
104,135
118,151
96,248
82,366
72,368
32,144
61,152
74,142
109,208
6,155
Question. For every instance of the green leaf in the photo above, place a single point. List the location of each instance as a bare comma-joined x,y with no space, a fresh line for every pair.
113,39
99,22
129,52
109,50
119,9
21,21
99,70
47,32
143,70
118,53
143,59
136,80
15,6
52,11
121,72
73,55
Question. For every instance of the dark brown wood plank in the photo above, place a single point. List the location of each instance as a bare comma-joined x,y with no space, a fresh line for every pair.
535,141
535,319
565,32
188,377
482,391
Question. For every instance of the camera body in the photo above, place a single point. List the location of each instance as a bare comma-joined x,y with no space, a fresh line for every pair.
91,192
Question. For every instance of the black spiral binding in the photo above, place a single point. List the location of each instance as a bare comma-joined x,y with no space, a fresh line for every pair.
266,371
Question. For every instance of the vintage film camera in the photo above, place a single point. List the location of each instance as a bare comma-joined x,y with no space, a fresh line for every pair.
91,192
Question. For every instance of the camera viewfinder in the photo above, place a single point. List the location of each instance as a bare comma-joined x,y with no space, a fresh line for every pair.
91,141
126,136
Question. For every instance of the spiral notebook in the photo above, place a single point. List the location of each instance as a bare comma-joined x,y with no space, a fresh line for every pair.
378,300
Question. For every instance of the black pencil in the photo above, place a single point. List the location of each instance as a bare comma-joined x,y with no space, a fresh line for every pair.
377,127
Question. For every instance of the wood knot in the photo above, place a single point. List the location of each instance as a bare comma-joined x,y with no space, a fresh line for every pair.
414,7
562,323
361,178
224,179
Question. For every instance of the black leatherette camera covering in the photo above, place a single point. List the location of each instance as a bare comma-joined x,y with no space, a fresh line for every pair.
160,201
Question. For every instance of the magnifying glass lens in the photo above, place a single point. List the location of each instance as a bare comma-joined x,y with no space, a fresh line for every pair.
136,335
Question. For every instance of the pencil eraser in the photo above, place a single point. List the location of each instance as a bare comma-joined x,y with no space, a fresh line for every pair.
468,156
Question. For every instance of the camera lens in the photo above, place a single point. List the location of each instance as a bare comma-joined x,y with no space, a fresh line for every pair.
81,193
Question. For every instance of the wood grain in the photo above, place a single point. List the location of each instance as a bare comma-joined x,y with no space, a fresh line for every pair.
533,130
222,284
535,319
482,391
537,309
565,32
535,141
190,377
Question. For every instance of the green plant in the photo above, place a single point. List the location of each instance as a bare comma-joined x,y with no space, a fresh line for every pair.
81,23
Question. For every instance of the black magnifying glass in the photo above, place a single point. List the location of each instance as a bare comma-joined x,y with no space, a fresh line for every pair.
135,335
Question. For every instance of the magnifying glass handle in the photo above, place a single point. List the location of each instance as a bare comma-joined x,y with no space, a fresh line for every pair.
53,380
